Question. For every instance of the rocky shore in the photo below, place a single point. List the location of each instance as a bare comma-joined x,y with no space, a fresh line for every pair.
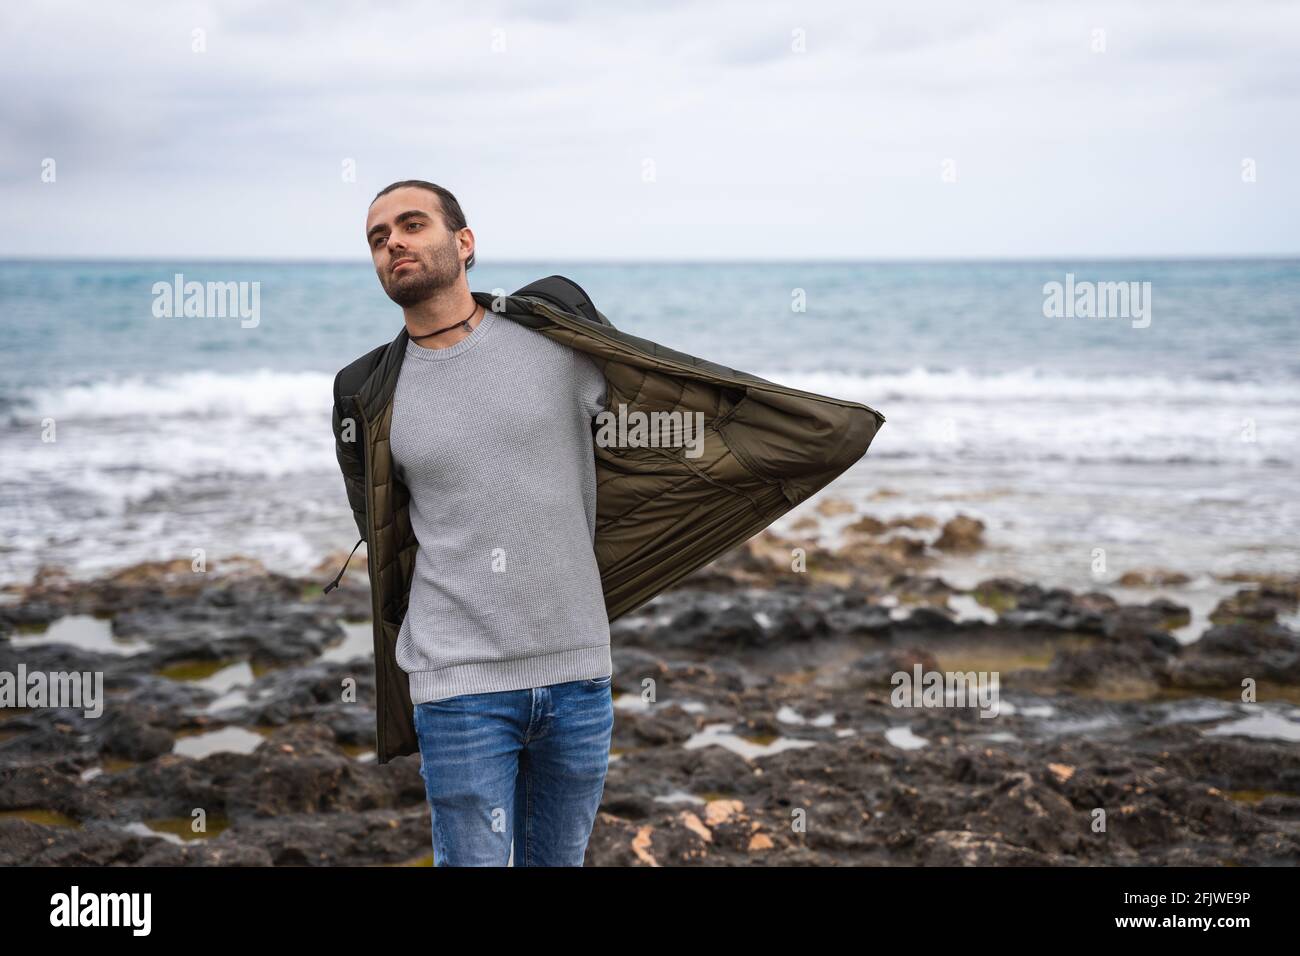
756,718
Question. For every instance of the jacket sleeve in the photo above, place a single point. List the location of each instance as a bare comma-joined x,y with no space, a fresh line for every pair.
801,441
351,460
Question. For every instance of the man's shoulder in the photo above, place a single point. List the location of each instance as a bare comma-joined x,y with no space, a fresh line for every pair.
350,377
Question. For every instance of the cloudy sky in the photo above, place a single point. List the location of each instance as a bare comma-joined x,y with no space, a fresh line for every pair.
680,131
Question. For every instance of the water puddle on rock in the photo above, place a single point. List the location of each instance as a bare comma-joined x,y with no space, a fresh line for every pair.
788,715
359,752
1264,691
1255,796
107,765
631,702
229,679
201,743
680,796
637,703
1003,656
179,830
47,818
358,641
1265,725
1197,712
195,672
748,747
1199,597
966,608
1006,707
233,674
904,739
998,737
1073,726
82,631
424,860
230,700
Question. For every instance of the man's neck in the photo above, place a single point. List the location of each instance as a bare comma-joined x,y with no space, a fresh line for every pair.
439,312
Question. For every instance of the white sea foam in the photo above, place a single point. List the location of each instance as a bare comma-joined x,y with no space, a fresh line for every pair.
136,434
964,385
199,393
1028,416
266,392
147,467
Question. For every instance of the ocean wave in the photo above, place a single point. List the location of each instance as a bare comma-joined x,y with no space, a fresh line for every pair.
953,460
199,394
267,392
1032,384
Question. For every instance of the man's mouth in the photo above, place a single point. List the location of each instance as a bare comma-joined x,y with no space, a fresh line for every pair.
402,262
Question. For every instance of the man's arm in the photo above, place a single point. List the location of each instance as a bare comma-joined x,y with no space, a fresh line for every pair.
348,451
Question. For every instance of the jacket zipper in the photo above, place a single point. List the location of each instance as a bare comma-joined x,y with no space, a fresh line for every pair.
371,558
598,331
339,577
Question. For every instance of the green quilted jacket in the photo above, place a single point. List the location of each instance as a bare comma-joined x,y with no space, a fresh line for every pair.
659,514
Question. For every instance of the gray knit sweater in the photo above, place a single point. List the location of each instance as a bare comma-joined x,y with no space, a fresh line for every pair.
493,438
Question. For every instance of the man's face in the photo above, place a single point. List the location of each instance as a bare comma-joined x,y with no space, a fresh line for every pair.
415,254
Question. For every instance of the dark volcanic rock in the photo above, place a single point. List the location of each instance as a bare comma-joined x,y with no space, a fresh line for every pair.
754,724
1228,653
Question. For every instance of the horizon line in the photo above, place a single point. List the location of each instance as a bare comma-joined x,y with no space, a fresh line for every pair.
901,260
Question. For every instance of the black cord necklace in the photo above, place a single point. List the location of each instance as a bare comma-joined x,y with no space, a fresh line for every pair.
464,322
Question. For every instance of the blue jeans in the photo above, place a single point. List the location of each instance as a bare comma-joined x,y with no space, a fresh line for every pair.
522,765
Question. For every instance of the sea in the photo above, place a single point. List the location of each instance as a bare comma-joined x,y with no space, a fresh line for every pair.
1161,431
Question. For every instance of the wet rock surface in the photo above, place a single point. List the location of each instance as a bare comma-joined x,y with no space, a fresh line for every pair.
757,720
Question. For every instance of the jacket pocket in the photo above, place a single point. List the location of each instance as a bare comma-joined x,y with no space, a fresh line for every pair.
391,630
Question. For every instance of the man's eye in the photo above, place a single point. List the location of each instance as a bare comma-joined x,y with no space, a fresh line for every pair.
414,224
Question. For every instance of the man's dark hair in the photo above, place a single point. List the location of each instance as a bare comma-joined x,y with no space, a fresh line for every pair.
452,216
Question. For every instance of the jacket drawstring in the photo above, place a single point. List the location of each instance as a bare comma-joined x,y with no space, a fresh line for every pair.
338,577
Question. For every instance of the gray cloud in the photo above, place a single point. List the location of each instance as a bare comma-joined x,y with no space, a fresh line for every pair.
756,150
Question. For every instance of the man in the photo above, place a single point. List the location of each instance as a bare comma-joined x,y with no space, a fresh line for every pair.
505,641
662,510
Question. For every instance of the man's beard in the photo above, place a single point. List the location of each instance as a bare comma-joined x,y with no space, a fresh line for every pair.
426,279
